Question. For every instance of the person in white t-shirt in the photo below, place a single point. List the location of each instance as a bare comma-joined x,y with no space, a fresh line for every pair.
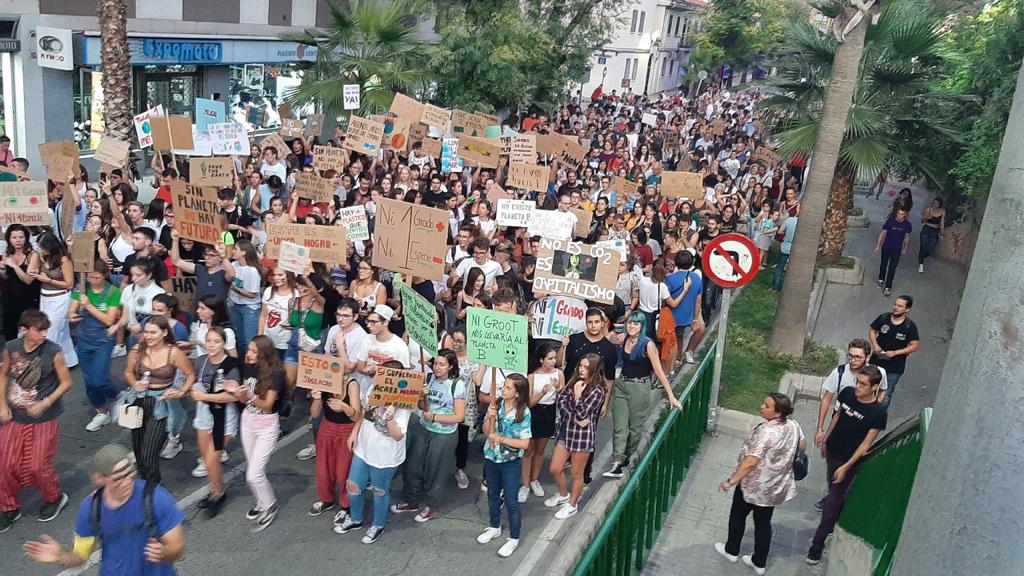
481,259
271,166
380,347
845,376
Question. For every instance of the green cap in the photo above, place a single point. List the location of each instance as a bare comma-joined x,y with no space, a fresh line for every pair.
105,462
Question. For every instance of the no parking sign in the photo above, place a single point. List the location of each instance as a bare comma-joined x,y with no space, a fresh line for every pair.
731,260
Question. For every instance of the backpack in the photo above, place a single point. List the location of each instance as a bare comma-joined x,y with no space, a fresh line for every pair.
841,369
147,509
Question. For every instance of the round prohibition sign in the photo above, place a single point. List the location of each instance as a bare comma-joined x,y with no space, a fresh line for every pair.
731,260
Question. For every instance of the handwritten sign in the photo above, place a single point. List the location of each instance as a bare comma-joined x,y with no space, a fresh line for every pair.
410,238
407,107
83,251
497,339
321,372
184,289
196,211
144,127
212,171
294,258
330,158
112,152
51,150
551,224
363,136
583,221
420,318
572,154
274,139
435,116
553,317
228,138
681,184
314,125
527,176
312,186
431,147
766,155
576,269
350,96
291,128
353,220
61,168
514,212
208,112
624,188
468,123
396,387
479,151
523,149
326,244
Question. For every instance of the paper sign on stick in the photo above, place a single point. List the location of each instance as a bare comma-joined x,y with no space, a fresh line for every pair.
350,96
420,318
291,128
172,132
24,203
144,127
514,212
578,270
228,138
410,238
527,176
197,213
83,251
435,116
329,158
314,187
497,339
321,372
314,125
406,107
682,184
396,387
112,152
207,112
479,151
326,244
212,171
364,136
61,168
353,219
551,224
50,150
294,258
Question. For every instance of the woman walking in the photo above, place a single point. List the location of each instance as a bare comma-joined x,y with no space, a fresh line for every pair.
244,293
216,420
17,276
56,278
277,300
763,479
579,407
507,433
96,308
545,384
933,228
333,455
262,391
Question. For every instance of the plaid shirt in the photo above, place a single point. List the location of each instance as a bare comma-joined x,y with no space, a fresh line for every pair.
587,407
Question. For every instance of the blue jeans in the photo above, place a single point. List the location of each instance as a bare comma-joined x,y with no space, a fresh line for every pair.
94,360
891,379
929,242
379,479
780,268
245,321
504,476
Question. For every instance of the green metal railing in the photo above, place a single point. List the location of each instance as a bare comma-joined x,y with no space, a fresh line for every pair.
878,499
624,540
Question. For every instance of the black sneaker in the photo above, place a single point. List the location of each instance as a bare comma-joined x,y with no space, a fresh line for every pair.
7,519
347,525
587,480
265,520
253,513
820,504
51,510
319,508
214,505
204,502
617,470
373,534
813,556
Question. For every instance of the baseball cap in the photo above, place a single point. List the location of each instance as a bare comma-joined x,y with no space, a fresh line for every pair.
384,312
105,461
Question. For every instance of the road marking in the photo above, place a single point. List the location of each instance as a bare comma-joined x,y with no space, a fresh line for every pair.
197,495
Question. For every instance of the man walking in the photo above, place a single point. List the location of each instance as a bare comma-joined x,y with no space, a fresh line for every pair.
894,336
893,241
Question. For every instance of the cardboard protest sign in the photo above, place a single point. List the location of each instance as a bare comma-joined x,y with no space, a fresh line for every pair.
83,251
24,203
61,168
294,258
212,171
407,107
523,149
410,238
274,139
553,317
291,128
584,219
527,176
617,244
327,244
364,136
420,318
468,123
183,287
576,269
314,125
48,151
431,147
144,127
682,184
396,133
396,387
718,127
330,158
312,186
481,152
495,193
208,112
321,372
671,139
624,187
228,138
551,224
489,119
435,116
112,152
766,155
353,219
69,203
497,339
172,132
514,212
572,153
284,111
197,212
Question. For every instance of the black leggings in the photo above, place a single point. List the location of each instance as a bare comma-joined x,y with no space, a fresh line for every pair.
738,524
462,447
148,440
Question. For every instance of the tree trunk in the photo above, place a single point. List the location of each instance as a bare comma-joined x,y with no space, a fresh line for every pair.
788,333
117,70
833,233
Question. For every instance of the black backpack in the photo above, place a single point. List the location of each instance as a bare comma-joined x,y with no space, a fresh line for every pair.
147,509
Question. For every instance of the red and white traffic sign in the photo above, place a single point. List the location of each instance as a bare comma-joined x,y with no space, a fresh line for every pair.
731,260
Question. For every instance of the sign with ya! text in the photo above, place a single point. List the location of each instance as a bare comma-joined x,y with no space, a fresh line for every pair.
527,176
396,387
353,219
576,269
514,212
364,136
350,96
321,372
211,171
420,318
410,239
326,244
497,339
197,213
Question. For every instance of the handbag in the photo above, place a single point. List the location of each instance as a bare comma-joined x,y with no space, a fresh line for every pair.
800,464
129,416
307,344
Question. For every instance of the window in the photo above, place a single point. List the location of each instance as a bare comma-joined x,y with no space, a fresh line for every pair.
640,27
625,73
686,25
677,25
664,68
672,68
636,62
632,25
669,29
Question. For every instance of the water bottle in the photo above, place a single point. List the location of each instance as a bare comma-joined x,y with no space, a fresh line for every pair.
145,379
218,381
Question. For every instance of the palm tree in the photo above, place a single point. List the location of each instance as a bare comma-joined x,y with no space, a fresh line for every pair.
791,319
117,69
372,43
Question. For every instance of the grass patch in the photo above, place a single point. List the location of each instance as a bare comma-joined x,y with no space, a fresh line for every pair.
856,211
750,370
844,262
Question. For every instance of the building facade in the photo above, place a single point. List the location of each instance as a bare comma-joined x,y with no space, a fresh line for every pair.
650,48
180,50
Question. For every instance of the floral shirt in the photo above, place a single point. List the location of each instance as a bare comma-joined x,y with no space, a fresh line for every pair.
771,482
506,425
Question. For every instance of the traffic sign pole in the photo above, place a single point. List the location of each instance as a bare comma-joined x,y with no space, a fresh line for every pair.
716,382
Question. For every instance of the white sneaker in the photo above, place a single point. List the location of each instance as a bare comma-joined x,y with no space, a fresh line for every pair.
119,351
720,548
200,470
920,268
508,547
306,453
461,479
749,562
565,511
488,534
556,500
171,449
99,421
524,494
536,488
689,358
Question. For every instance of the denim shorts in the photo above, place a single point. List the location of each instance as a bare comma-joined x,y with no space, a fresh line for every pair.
291,356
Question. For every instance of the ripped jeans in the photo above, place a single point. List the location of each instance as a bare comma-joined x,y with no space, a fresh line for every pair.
361,474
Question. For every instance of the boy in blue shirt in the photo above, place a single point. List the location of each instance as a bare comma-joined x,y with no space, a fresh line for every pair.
685,287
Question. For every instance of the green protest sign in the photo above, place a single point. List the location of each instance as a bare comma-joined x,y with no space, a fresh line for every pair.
420,318
497,339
